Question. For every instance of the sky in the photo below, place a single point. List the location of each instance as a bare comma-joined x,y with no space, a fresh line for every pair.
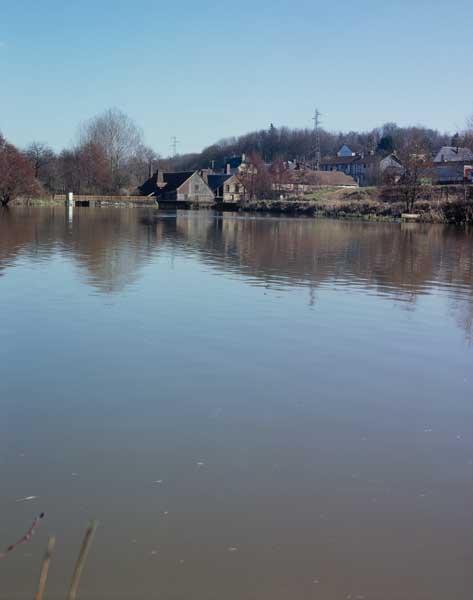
202,71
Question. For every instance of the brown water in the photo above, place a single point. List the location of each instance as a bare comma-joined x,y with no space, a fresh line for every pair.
302,389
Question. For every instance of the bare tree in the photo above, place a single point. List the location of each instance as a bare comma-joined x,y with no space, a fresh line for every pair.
468,133
415,158
142,165
255,178
16,174
43,160
280,177
119,138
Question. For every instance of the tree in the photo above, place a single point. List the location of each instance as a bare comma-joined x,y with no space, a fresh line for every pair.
414,156
456,140
43,160
119,139
280,177
84,170
255,178
468,133
92,169
142,165
16,174
386,144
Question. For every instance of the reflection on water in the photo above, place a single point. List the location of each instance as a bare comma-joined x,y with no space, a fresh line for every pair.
301,388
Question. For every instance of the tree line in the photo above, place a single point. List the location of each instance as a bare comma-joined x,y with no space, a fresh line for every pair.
111,157
108,157
286,144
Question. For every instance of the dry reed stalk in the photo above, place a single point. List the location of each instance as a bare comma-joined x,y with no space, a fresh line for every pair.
88,538
43,576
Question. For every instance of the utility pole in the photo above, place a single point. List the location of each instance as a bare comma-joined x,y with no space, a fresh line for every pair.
317,122
174,143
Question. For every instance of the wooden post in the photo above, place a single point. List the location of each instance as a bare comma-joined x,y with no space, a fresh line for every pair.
88,538
43,576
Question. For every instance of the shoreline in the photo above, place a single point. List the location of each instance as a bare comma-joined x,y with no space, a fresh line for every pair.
366,204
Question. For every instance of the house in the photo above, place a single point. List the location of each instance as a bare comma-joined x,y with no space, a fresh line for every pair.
453,154
345,151
234,190
216,181
359,166
303,180
230,165
184,186
225,187
453,172
364,168
391,168
390,162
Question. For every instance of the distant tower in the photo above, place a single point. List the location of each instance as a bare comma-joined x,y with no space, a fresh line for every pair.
317,152
174,143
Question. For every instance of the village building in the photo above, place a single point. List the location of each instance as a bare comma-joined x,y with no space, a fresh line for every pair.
364,168
345,151
391,168
184,186
301,180
226,187
453,154
453,172
230,165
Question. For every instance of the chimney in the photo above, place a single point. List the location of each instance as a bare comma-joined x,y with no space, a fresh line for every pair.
228,169
243,157
159,176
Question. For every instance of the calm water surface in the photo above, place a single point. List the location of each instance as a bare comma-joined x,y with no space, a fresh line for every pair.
254,408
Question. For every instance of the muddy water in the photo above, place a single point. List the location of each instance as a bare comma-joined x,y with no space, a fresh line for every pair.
252,408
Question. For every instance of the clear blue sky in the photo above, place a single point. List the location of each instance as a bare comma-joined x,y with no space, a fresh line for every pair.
206,70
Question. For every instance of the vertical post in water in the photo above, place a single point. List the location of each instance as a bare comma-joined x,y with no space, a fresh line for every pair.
70,206
89,536
43,576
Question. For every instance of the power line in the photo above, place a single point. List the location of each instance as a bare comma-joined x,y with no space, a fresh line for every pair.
174,143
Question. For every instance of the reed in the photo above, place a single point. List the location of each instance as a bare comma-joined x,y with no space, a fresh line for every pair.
86,544
43,576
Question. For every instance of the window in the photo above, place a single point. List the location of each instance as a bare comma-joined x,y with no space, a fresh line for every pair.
196,187
227,188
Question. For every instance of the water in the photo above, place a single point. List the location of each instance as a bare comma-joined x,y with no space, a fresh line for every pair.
301,389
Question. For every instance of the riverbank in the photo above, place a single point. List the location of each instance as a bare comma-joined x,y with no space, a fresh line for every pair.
435,204
450,205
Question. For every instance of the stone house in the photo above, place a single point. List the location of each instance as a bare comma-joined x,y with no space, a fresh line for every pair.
225,187
233,190
184,186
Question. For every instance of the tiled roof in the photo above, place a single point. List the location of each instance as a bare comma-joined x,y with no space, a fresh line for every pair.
171,182
453,154
215,181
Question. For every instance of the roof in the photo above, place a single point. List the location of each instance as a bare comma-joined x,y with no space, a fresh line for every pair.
170,183
215,181
325,178
345,150
339,160
175,180
453,154
234,161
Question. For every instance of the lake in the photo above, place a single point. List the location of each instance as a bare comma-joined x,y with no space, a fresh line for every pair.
253,408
